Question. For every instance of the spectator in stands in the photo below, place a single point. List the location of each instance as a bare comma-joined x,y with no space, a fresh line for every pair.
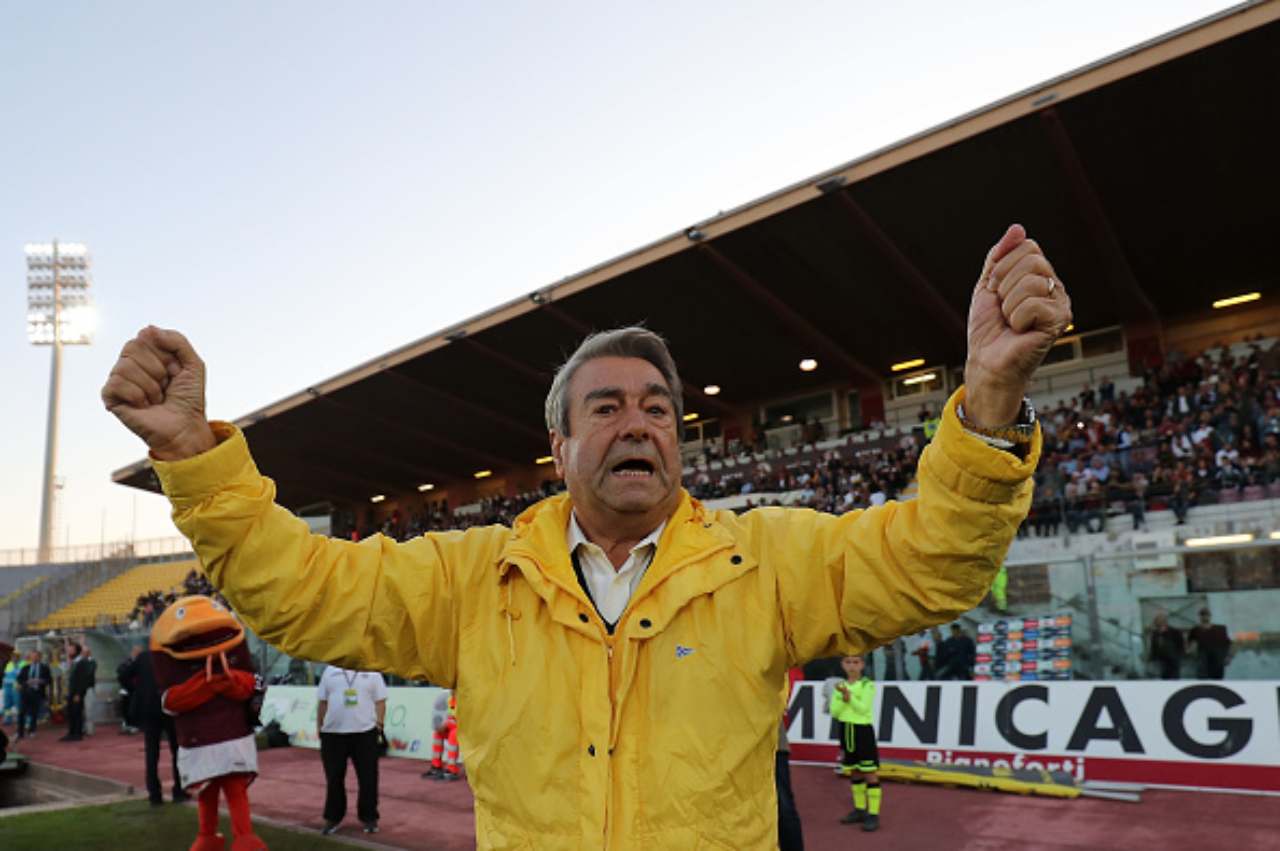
1098,470
1165,647
1106,390
1182,483
956,656
33,693
1212,645
1137,503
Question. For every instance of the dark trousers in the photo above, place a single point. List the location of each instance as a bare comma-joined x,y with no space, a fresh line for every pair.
29,703
362,749
75,716
152,730
790,837
1211,666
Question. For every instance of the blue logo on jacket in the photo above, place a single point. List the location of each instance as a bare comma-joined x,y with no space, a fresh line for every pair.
682,651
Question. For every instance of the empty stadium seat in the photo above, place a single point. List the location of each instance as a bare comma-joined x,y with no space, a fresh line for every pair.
114,600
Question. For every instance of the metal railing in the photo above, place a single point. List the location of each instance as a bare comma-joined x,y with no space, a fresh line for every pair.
143,549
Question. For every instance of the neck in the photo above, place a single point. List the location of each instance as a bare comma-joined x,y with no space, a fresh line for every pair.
617,538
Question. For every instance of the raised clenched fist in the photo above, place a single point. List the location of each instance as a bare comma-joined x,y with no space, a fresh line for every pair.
156,388
1019,309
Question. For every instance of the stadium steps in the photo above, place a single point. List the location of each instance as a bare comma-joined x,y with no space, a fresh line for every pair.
114,600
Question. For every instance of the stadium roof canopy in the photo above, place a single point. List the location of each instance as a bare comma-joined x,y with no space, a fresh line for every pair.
1150,176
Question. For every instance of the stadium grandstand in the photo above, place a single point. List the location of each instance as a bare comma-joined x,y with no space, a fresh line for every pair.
117,601
820,329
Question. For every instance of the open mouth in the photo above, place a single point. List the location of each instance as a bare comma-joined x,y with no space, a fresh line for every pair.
634,468
200,641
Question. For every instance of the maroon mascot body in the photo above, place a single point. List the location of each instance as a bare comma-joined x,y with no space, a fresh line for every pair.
207,680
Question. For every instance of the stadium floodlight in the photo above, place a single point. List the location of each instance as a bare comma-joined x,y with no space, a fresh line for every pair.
60,312
808,365
543,459
907,364
712,390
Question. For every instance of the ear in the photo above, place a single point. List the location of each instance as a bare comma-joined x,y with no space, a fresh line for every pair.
557,450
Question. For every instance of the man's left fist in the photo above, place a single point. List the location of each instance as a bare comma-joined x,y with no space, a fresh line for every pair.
1019,309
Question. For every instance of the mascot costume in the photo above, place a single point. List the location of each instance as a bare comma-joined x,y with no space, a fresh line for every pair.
207,681
444,740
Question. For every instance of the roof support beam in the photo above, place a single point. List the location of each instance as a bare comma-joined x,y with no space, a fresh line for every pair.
567,319
928,294
1094,214
802,327
326,469
543,379
405,468
466,404
418,434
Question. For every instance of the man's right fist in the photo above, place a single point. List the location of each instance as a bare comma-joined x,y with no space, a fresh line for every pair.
156,389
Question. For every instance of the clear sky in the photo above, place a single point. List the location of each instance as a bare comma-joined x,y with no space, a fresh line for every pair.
300,186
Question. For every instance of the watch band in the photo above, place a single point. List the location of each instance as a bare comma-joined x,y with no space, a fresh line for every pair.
1021,431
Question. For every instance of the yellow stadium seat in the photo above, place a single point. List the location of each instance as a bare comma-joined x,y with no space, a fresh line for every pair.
115,599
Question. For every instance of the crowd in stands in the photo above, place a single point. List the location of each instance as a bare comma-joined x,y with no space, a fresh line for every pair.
1199,430
152,604
836,480
438,517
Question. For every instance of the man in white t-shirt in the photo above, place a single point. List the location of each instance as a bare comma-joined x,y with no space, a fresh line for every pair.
349,712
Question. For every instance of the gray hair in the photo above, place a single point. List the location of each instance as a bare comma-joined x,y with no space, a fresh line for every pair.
629,342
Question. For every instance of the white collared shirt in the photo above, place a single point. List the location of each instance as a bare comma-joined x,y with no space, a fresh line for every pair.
611,589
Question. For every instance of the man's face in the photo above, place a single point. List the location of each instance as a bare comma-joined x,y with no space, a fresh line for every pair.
622,456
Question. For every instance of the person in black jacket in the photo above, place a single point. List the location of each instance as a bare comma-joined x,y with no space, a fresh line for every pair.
956,656
1166,647
127,676
33,691
147,714
80,680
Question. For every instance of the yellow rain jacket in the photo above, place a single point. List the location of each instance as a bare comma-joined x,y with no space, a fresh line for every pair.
661,735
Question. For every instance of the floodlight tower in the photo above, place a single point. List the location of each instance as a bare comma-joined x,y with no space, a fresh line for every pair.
60,313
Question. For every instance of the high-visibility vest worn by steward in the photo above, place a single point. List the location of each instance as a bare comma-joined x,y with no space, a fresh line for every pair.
662,734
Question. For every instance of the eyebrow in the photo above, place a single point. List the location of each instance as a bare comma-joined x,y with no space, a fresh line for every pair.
617,393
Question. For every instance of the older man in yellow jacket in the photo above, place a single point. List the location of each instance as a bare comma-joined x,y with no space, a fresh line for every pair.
617,653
